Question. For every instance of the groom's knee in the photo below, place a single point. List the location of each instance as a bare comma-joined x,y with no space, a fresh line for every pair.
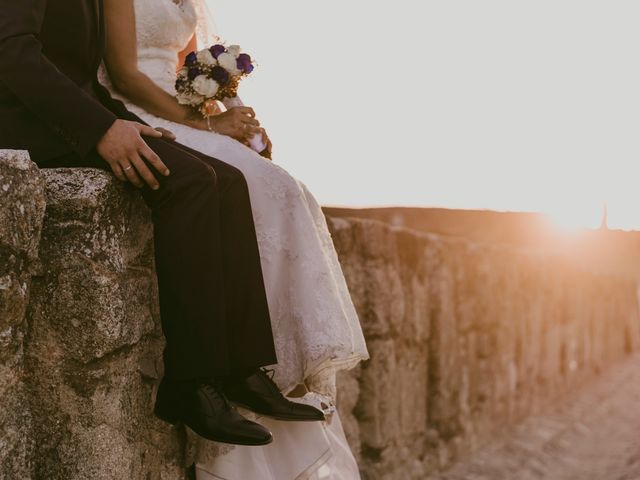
231,177
185,167
187,172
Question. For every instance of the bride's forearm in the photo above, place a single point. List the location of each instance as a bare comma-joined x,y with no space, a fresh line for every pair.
142,91
121,60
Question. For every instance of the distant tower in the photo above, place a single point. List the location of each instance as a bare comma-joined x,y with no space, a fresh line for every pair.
604,225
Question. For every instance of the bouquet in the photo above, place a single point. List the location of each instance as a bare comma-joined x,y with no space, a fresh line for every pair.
213,74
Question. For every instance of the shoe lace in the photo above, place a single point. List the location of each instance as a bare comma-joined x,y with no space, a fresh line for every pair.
215,395
268,374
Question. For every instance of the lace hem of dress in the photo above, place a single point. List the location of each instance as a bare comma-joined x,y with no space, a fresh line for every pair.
320,377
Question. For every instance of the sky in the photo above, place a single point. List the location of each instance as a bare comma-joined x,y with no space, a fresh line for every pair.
503,105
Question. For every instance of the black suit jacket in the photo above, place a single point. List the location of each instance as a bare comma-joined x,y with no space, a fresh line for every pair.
50,100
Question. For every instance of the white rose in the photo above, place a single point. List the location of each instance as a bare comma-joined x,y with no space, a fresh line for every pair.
234,50
229,63
205,86
204,56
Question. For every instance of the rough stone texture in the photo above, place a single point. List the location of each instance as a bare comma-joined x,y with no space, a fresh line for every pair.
465,339
21,212
94,343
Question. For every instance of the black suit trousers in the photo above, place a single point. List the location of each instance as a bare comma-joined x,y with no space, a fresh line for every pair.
212,298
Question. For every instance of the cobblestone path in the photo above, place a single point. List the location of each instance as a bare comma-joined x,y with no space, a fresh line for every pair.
594,437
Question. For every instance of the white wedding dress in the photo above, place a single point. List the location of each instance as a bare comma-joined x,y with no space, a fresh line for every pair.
315,325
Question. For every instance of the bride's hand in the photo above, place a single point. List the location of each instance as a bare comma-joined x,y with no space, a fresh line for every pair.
269,146
238,122
266,153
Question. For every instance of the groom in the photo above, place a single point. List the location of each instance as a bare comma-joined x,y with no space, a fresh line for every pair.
212,298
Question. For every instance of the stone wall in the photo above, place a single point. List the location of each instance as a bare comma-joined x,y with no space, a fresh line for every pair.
465,339
21,212
603,250
88,313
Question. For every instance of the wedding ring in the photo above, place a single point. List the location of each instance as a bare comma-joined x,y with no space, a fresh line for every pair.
128,168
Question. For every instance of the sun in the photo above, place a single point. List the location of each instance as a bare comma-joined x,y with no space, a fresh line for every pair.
571,217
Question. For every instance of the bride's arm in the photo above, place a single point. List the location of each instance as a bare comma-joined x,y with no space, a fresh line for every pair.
121,60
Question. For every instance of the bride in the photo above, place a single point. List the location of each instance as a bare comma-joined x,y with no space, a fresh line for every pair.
316,329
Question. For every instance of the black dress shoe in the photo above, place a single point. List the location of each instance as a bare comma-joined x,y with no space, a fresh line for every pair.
205,410
261,395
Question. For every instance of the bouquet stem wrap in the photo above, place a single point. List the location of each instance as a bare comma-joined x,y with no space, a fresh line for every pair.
256,142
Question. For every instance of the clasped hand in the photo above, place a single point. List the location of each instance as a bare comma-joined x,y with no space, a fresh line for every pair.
239,123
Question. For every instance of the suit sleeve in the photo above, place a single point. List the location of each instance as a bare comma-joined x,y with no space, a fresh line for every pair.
69,111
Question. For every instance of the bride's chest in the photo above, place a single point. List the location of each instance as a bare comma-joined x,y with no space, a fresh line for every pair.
164,22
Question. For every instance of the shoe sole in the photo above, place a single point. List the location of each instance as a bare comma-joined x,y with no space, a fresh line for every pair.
178,423
284,418
226,440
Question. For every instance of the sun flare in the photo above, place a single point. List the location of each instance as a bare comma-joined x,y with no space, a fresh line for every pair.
570,218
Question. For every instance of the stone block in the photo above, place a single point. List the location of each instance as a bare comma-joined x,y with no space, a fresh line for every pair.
95,343
378,409
22,204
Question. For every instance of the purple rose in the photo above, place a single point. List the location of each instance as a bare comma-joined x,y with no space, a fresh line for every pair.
216,50
191,59
220,75
193,73
244,63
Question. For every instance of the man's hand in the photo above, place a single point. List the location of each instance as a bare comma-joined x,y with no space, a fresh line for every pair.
237,122
124,149
168,134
